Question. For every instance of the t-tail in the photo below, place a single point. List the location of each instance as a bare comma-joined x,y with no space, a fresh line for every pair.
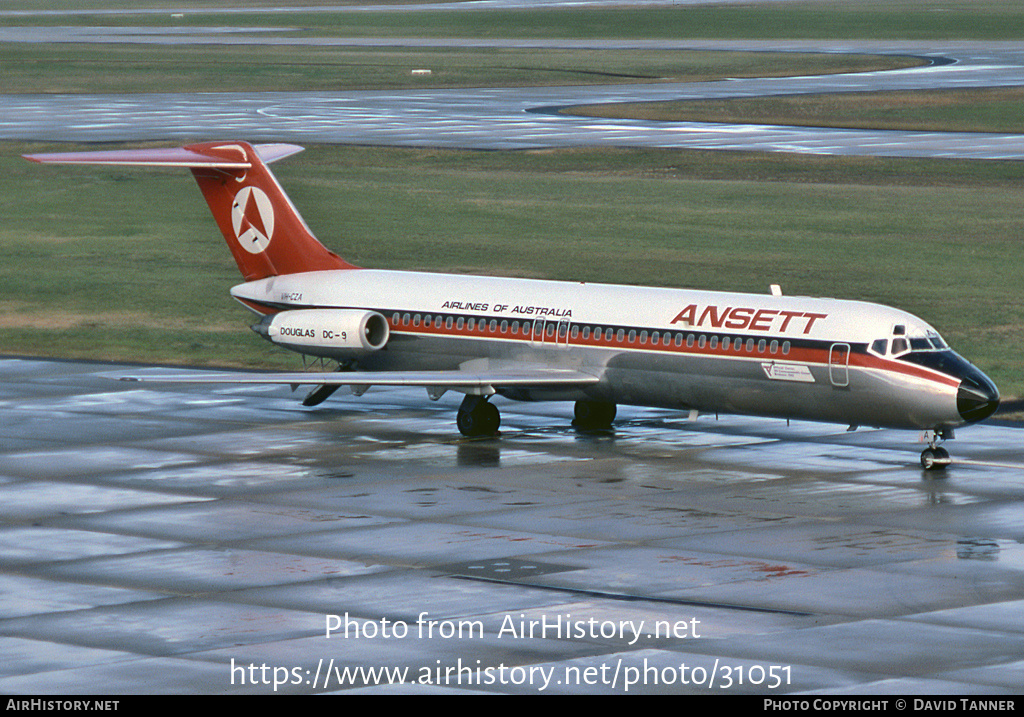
261,226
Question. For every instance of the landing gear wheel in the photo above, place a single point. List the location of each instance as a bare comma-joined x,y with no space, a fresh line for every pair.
593,415
933,459
477,417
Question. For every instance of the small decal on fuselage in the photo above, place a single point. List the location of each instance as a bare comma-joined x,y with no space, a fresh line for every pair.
788,372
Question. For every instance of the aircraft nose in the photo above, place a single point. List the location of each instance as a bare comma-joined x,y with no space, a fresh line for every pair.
977,398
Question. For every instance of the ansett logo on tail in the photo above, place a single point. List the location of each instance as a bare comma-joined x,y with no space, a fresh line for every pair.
252,216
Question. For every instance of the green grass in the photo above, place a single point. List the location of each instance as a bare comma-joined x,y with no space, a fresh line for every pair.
968,110
127,264
75,68
901,19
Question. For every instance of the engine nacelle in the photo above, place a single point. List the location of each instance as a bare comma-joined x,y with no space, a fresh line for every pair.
326,332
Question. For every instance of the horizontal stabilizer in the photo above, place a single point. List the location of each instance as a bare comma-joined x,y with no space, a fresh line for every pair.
194,156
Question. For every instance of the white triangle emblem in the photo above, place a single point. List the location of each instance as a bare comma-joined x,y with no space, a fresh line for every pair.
252,216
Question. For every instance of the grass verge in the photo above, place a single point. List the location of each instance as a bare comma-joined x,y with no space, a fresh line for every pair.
899,19
995,109
98,68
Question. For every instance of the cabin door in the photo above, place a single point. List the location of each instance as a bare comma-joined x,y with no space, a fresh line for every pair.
839,365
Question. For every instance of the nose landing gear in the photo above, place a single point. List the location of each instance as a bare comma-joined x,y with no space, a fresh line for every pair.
935,457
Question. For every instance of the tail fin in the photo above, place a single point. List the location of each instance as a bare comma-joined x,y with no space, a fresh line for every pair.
261,226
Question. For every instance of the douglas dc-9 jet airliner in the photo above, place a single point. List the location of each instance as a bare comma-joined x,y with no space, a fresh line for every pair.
598,345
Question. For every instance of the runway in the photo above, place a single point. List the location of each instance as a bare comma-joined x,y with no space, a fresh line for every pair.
160,540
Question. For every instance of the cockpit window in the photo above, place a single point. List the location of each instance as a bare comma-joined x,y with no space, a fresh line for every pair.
880,346
902,344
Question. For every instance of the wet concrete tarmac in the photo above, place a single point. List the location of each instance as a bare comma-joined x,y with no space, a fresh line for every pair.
224,539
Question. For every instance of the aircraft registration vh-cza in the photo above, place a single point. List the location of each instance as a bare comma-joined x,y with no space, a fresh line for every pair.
599,345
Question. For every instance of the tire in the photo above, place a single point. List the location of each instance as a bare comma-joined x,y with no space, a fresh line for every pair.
592,415
482,420
933,459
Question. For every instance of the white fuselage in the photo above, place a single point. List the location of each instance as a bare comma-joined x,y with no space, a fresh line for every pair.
787,356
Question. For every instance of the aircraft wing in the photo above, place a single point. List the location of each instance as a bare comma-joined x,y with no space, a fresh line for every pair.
481,382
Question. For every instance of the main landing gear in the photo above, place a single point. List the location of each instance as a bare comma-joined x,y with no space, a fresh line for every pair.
477,418
593,415
935,457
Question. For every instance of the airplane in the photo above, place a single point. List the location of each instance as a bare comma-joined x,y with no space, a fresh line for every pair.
597,345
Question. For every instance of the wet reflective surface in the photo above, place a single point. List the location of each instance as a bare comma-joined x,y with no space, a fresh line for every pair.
207,539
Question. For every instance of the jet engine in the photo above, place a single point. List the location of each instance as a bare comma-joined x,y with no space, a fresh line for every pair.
333,333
